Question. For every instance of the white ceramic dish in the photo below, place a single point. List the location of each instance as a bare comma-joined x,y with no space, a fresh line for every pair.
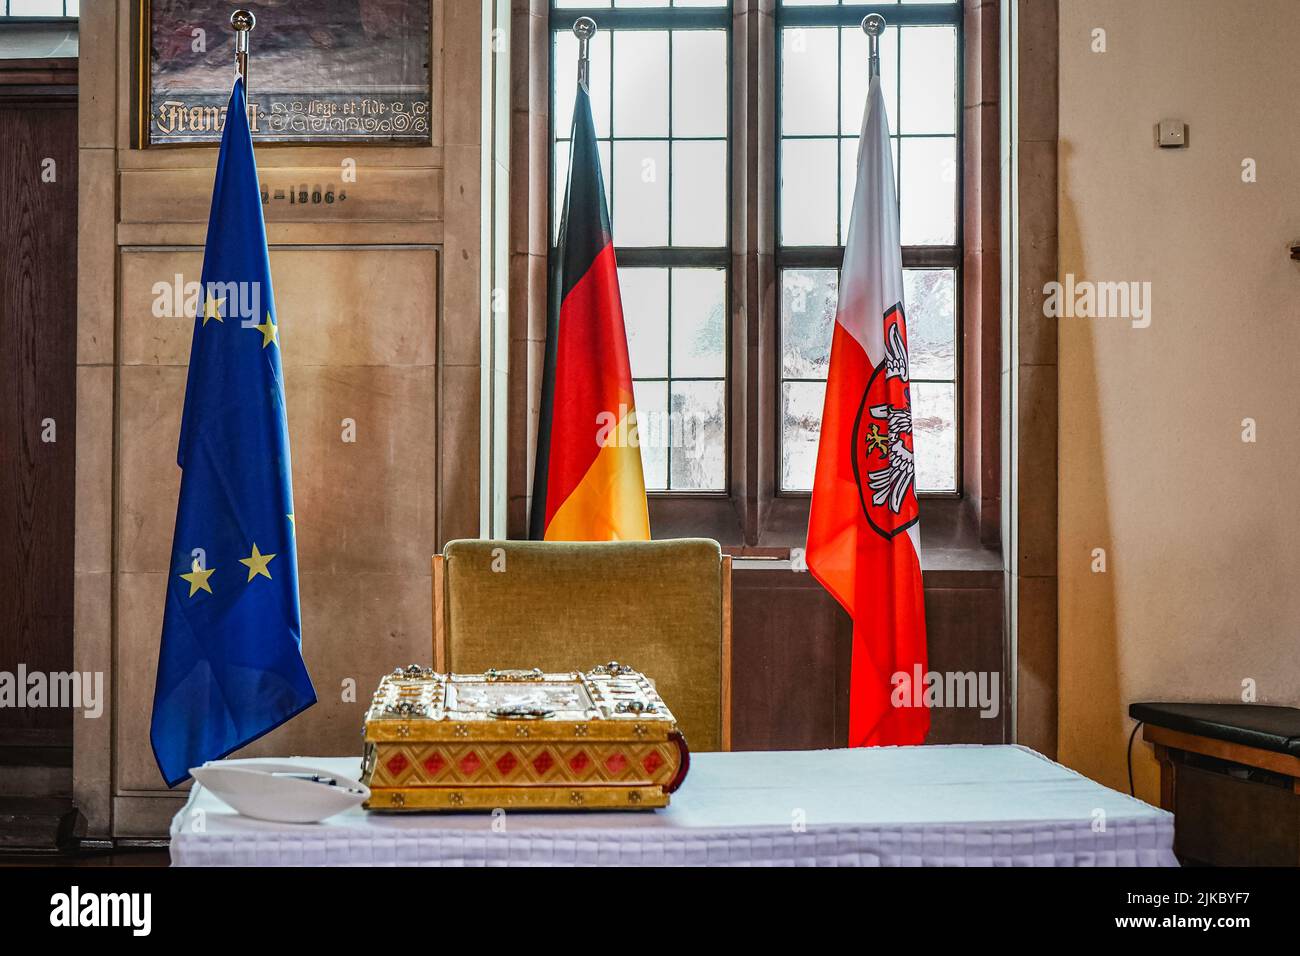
280,792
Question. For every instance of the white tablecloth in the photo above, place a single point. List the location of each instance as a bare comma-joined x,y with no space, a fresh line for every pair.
893,806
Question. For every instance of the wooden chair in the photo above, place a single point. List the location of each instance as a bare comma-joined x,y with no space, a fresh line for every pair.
663,607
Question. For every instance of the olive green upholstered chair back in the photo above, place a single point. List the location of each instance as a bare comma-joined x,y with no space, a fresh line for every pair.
663,607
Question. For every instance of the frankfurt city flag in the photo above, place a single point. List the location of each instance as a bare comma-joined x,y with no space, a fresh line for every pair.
863,533
587,484
230,668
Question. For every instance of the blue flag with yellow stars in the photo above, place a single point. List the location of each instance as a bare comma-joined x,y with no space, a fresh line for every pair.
230,668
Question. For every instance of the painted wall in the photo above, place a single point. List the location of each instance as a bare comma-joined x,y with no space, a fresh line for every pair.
1201,530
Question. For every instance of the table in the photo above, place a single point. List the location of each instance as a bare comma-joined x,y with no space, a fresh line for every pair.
890,806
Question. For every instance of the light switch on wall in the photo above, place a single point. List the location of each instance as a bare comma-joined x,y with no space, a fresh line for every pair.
1171,134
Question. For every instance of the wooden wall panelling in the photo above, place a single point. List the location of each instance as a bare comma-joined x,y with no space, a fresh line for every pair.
358,342
791,646
964,622
295,194
38,268
362,290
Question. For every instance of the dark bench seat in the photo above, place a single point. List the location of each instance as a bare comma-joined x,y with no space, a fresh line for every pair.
1231,775
1252,725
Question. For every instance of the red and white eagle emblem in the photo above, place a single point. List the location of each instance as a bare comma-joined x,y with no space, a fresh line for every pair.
884,463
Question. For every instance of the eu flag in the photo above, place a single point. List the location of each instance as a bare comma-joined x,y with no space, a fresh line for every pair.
230,668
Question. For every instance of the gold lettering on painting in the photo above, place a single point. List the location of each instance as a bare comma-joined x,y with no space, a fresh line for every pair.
175,116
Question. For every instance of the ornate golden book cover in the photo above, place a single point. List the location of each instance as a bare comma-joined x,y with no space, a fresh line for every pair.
599,740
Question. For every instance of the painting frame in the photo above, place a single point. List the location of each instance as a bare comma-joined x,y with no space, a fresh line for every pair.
421,105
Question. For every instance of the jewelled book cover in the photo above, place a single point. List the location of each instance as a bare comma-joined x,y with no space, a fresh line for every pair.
598,740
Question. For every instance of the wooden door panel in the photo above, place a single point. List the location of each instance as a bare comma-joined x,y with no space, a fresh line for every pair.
38,271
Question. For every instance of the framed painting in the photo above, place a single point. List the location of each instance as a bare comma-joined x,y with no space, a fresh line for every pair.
328,71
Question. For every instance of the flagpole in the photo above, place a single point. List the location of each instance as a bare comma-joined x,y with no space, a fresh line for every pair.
873,24
243,21
584,28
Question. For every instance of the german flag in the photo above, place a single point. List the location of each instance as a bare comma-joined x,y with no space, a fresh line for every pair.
587,484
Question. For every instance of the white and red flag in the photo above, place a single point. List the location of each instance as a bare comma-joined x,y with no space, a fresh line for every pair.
863,529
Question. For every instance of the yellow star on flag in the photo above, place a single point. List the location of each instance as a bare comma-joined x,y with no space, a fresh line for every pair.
212,309
198,578
270,331
292,523
256,563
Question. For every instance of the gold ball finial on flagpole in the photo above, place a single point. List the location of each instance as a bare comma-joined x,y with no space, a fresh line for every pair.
243,22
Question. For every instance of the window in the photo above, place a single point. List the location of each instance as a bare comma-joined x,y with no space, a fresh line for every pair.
822,91
729,150
659,93
41,8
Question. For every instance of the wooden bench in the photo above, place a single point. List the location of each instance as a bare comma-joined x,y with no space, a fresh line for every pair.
1230,773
